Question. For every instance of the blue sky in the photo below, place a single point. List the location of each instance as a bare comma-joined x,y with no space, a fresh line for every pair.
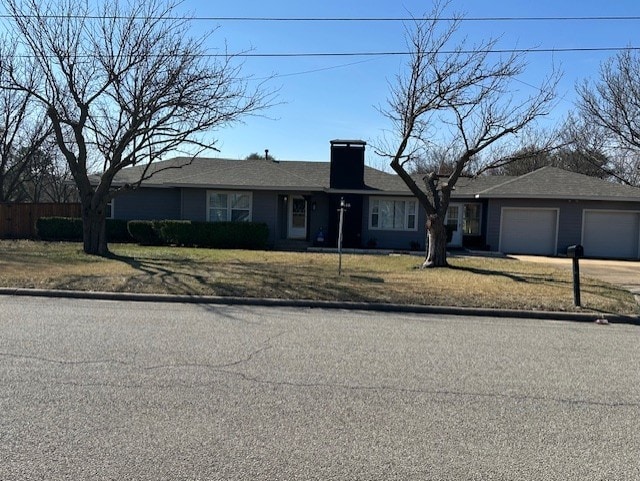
336,97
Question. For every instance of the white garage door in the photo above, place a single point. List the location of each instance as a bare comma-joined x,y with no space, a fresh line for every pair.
612,234
528,231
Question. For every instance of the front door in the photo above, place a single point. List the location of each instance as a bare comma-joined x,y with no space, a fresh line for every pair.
454,223
297,218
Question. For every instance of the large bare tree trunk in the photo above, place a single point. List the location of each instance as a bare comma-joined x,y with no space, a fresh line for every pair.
94,230
437,240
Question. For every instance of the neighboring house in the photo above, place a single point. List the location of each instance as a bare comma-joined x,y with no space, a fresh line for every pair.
542,212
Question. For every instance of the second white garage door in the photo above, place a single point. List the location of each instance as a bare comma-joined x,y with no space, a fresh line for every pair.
528,231
612,234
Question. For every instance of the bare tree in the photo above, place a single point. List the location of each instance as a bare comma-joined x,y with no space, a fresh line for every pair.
58,182
122,84
436,160
23,130
48,178
612,104
461,95
567,147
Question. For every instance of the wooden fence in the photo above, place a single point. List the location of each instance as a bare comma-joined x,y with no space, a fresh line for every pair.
18,221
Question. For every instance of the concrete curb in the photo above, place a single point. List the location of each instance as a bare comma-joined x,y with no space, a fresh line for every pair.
359,306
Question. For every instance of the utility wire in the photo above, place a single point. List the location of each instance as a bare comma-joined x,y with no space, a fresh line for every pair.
410,19
443,52
370,19
305,72
386,54
341,19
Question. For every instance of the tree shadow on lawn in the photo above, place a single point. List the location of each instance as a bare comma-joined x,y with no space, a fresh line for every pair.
285,281
525,278
248,280
611,293
311,282
174,282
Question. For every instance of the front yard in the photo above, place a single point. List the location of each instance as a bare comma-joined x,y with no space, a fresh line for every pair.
469,282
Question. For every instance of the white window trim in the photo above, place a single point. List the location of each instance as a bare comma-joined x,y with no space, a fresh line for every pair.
229,193
112,210
395,199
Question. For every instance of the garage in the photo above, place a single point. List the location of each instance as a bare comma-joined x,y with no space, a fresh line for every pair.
611,234
528,231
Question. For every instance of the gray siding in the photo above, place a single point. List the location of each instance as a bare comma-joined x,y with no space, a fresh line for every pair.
188,204
194,204
265,209
148,204
569,217
318,218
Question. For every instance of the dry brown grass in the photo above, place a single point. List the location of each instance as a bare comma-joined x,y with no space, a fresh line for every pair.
470,281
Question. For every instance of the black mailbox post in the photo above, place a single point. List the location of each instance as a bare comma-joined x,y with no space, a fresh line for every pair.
575,253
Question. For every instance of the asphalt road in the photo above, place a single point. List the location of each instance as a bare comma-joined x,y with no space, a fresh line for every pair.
118,391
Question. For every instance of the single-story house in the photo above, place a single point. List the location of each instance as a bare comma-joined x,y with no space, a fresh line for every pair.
542,212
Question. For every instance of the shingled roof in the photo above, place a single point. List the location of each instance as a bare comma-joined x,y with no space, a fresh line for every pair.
260,174
555,183
254,174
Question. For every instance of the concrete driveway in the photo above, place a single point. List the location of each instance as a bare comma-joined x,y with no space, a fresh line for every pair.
621,273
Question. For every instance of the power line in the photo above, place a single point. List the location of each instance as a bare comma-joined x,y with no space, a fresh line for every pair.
390,53
339,19
305,72
368,19
410,19
443,52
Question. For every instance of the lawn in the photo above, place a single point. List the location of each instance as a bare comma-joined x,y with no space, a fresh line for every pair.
469,282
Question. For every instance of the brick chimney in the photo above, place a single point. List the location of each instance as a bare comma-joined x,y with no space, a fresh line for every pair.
347,164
